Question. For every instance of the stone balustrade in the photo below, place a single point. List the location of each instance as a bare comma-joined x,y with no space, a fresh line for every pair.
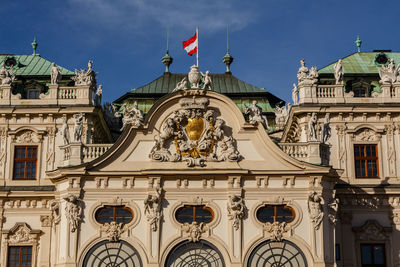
325,94
71,95
313,152
77,153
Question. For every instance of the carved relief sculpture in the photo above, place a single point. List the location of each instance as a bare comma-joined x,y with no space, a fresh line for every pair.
312,128
255,114
236,210
55,75
131,115
315,208
78,127
55,211
113,231
22,235
326,129
194,230
196,133
338,72
276,230
153,209
6,76
73,211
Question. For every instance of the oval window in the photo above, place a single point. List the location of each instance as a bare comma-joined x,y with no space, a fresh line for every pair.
194,213
275,213
119,214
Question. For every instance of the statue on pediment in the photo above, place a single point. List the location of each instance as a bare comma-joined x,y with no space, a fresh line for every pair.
131,115
6,76
255,114
389,74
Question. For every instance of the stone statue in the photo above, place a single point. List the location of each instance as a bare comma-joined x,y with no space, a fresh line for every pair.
326,129
236,210
181,86
295,91
194,230
338,71
6,76
302,72
85,77
78,127
153,209
131,115
389,74
55,75
315,208
333,210
312,128
281,117
113,230
206,81
99,94
306,77
255,114
65,131
73,211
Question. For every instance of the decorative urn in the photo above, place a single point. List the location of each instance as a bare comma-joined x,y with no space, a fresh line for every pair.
194,76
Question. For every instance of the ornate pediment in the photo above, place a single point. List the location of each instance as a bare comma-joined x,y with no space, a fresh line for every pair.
195,134
372,231
21,233
366,134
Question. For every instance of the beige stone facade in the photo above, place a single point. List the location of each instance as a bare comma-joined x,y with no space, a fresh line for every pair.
194,149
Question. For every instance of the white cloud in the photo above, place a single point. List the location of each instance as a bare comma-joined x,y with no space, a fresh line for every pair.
209,15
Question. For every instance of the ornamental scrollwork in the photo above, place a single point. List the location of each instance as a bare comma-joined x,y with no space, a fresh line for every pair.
113,231
194,230
276,230
197,135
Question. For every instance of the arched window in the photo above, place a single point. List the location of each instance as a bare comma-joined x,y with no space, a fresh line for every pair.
199,254
275,213
283,253
194,213
119,214
112,254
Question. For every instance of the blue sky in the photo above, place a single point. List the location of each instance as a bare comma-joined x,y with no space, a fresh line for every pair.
126,39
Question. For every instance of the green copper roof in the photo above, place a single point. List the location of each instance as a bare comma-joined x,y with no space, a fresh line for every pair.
362,63
32,65
221,83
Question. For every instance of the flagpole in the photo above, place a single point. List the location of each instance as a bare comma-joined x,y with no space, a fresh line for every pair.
197,54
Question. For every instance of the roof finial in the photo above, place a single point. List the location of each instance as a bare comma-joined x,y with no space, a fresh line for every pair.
227,59
167,59
34,45
358,43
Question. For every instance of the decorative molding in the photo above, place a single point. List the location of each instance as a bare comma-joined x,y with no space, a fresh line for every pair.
22,234
45,220
372,231
113,231
276,230
73,211
333,208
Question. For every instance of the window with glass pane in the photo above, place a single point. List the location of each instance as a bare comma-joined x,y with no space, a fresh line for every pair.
366,161
34,94
194,213
275,213
19,256
373,255
25,161
119,214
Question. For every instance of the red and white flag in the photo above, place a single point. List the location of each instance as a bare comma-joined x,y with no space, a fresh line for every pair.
191,45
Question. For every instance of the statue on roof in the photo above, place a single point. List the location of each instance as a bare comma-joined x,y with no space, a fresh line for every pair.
130,115
295,91
6,76
306,77
255,114
389,74
281,116
338,72
85,77
182,85
55,74
206,81
312,127
78,127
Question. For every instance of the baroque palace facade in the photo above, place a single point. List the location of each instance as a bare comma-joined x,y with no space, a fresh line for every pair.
200,169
